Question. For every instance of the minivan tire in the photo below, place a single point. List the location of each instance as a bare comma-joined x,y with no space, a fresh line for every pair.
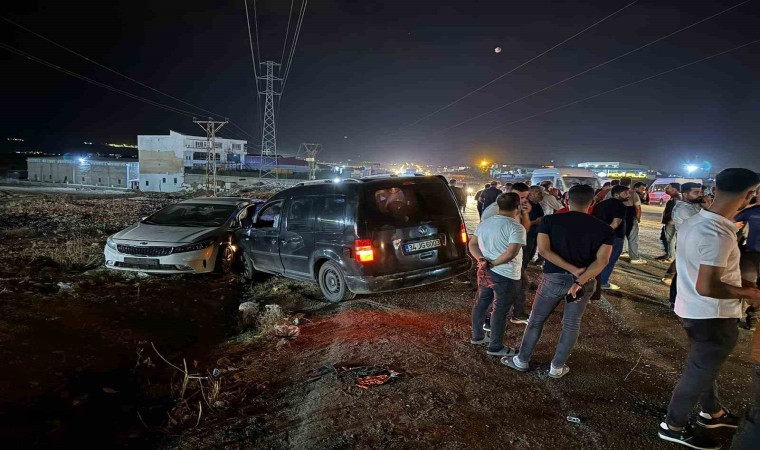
332,282
248,271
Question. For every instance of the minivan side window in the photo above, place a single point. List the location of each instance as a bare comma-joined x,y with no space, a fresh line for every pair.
300,217
331,213
269,216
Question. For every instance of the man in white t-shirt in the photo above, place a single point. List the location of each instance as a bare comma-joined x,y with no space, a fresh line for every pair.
709,289
497,246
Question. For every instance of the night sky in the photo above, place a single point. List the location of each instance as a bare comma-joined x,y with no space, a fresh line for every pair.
364,70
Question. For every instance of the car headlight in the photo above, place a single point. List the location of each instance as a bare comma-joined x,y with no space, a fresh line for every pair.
195,246
111,244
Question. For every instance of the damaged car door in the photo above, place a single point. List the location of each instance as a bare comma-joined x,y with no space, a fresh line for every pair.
261,241
297,239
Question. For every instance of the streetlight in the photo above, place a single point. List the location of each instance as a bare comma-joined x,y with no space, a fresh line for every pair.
691,168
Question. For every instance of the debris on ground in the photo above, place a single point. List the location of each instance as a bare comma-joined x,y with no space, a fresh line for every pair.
366,376
62,287
572,419
286,331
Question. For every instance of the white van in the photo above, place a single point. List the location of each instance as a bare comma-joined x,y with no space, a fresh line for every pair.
563,178
657,195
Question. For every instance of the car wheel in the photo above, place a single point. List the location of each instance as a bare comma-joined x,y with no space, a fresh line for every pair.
224,260
248,271
332,282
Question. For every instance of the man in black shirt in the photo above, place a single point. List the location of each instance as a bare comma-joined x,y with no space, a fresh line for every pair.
577,247
459,194
536,215
489,195
668,234
612,212
479,200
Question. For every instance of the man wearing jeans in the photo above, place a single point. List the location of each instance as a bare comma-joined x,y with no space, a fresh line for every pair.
612,212
709,291
576,246
497,246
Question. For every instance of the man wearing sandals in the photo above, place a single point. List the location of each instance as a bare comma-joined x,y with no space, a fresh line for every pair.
577,247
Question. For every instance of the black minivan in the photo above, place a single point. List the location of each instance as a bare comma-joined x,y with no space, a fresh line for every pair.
358,236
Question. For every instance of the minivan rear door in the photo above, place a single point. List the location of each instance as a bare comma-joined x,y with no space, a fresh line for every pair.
413,225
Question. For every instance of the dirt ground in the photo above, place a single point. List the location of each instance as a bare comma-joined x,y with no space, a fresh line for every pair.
81,367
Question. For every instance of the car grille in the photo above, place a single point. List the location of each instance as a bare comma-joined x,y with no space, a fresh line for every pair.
144,251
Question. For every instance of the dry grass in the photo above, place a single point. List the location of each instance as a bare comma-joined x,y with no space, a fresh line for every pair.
74,253
270,318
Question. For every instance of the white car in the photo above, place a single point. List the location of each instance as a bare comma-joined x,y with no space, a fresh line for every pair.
192,236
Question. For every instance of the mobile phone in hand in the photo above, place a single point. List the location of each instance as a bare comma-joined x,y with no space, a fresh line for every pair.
573,298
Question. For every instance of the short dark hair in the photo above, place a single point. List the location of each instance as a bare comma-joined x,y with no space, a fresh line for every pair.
606,184
626,181
452,181
686,187
488,185
520,187
736,180
615,182
580,194
675,185
618,189
639,184
509,201
494,183
546,183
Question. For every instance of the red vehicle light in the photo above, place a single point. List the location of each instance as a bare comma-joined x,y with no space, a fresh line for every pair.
463,233
363,250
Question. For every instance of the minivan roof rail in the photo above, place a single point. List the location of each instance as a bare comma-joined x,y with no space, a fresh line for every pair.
309,182
391,175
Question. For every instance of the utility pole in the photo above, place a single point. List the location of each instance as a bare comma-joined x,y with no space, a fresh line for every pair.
211,126
268,162
310,152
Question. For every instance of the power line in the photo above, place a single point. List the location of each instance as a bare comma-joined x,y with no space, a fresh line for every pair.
515,68
296,34
97,83
620,87
117,72
287,32
253,59
592,68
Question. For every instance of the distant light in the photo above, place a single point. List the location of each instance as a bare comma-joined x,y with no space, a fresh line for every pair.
602,174
336,180
82,160
497,50
691,168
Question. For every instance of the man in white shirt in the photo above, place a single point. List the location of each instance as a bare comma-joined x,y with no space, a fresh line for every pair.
709,289
497,245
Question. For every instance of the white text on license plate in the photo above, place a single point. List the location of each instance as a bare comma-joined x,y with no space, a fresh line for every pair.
421,245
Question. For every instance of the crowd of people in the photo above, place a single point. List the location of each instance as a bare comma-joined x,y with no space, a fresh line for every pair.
712,243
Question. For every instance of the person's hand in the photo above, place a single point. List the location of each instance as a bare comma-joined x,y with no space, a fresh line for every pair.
525,206
482,263
574,289
579,271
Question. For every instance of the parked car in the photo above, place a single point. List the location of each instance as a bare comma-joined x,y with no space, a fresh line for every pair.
657,195
563,178
359,236
192,236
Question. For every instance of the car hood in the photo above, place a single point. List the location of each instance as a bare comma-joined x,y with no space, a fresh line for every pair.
157,233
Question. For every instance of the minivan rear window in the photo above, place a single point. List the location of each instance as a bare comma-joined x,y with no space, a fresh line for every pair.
409,205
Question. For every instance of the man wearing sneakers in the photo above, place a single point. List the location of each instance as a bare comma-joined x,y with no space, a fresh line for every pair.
497,244
709,289
577,247
612,212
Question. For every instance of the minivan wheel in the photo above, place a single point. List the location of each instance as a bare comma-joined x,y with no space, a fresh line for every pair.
333,283
224,260
248,270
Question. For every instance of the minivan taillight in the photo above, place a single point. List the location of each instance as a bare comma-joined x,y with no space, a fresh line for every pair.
363,250
463,233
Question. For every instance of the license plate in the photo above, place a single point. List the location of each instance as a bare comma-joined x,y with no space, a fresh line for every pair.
421,245
148,262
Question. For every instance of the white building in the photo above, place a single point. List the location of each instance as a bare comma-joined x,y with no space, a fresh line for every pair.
165,159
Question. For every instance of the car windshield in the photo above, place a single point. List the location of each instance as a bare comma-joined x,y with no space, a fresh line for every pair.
192,215
573,181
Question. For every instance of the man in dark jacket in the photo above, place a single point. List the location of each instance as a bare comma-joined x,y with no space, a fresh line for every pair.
489,195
